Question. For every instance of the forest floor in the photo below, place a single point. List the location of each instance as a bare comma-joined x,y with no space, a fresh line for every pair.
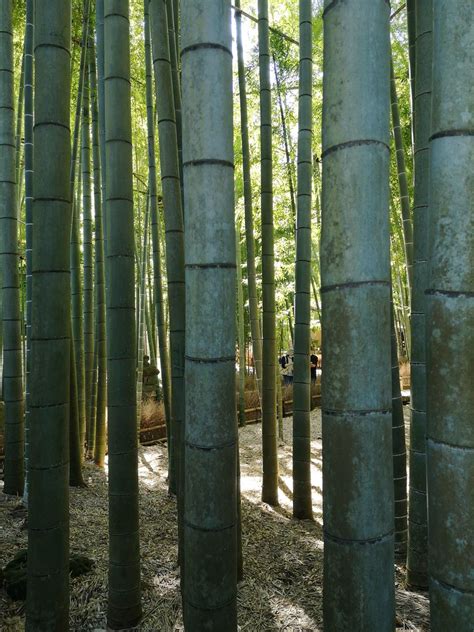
283,558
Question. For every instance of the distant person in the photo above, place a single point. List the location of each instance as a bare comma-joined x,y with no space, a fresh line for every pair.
314,366
283,361
286,362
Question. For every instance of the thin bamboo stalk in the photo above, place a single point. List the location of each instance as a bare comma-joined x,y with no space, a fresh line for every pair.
269,422
249,230
302,502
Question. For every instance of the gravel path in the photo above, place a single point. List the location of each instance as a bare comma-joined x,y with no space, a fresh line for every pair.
282,585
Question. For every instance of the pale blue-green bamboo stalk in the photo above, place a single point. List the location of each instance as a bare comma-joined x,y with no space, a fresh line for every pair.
210,503
358,500
450,321
417,559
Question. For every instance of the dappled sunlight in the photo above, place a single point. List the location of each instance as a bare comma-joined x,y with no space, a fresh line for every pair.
283,557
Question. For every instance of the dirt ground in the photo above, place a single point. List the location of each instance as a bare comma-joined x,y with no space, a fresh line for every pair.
282,586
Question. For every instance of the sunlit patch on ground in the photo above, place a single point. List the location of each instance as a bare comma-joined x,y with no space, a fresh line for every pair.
282,585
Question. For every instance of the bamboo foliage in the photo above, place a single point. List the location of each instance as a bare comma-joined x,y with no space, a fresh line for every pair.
47,604
210,504
450,320
269,421
302,505
356,388
417,560
9,259
124,604
249,230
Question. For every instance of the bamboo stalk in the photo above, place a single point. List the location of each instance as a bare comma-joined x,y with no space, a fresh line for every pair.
269,423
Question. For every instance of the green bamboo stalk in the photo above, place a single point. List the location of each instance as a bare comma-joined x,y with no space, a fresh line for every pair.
289,310
176,81
172,202
417,560
124,603
149,327
210,503
1,341
279,406
358,500
28,129
248,205
317,189
9,259
87,267
286,142
302,504
99,19
19,129
405,314
76,278
47,605
269,422
94,392
399,451
150,312
176,17
240,328
75,447
402,177
315,296
450,321
141,314
411,27
98,420
149,309
76,435
154,217
76,312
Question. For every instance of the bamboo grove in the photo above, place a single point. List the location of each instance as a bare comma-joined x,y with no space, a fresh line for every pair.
211,185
